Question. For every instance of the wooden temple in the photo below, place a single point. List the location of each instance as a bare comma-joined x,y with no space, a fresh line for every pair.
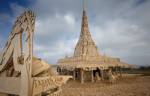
87,63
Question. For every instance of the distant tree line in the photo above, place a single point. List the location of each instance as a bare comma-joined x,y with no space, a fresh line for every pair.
144,68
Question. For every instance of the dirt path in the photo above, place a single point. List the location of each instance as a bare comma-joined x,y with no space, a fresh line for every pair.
127,86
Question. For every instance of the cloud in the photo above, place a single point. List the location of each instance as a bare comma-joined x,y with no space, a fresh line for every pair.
125,41
55,36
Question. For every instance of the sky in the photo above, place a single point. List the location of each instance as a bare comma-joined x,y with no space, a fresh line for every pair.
120,28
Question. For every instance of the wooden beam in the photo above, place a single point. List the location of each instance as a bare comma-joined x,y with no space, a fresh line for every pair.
10,85
74,74
92,77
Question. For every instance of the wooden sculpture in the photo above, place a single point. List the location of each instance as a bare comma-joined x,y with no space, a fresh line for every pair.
20,73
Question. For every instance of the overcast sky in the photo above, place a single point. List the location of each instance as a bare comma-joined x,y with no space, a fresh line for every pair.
120,28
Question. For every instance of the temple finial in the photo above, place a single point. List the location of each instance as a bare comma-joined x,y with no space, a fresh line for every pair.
84,5
85,45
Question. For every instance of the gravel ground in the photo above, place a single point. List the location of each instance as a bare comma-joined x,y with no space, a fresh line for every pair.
125,86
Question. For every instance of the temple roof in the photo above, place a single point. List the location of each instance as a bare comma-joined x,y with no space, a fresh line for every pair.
85,45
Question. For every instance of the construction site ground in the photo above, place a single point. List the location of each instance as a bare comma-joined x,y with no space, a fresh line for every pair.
129,85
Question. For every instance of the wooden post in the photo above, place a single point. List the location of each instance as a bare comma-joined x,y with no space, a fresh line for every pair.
102,74
82,75
74,74
116,70
120,72
61,72
92,77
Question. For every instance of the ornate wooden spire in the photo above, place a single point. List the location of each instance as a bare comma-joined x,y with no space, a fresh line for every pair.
85,45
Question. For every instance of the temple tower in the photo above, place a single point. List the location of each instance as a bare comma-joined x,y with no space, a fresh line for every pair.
85,45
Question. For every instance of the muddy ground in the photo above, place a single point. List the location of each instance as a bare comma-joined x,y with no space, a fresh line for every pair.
125,86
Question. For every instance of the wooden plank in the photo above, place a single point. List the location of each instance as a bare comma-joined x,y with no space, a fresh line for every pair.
10,85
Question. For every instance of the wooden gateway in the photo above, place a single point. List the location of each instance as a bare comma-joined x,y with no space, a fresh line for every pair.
86,63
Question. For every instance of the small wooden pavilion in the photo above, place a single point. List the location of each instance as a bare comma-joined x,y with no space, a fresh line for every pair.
87,62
